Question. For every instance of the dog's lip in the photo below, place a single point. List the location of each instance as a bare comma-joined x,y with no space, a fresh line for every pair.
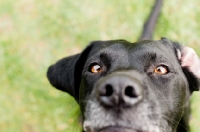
117,129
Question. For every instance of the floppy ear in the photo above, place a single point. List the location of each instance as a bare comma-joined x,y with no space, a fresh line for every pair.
66,74
190,59
61,74
190,63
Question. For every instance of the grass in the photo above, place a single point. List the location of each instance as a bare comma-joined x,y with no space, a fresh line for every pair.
36,33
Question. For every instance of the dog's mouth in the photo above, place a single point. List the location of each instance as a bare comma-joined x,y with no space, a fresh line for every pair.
117,129
121,129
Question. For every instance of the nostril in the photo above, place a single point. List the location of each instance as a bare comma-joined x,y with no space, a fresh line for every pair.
130,92
107,91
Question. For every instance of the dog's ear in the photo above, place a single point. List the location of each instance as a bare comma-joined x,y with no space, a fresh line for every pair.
190,63
65,75
61,74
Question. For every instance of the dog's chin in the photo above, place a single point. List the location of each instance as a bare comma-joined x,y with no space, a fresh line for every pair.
112,129
116,129
121,129
91,127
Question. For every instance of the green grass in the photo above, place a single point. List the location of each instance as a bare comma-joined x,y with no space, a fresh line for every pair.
36,33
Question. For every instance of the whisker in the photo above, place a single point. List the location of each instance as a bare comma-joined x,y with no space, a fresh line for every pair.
78,123
174,121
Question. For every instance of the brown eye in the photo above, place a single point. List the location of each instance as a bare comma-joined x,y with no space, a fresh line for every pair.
161,70
96,68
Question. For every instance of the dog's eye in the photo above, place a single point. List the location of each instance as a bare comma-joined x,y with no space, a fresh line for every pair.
161,70
95,68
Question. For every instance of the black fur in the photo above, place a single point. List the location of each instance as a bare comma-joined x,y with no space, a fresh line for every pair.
72,75
162,103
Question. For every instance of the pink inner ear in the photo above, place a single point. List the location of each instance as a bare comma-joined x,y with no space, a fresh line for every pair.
190,59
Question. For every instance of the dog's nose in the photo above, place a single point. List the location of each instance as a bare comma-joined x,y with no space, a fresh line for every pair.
120,90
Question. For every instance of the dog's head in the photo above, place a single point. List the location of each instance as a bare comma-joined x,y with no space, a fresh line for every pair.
130,87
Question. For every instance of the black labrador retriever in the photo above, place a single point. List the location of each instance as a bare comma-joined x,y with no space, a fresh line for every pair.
130,87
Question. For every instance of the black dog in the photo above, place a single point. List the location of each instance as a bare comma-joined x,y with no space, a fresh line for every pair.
126,87
130,87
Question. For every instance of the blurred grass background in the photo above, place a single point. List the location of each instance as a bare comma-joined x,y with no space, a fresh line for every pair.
36,33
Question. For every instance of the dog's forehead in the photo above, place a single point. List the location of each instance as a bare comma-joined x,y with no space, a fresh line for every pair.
153,47
125,48
126,55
